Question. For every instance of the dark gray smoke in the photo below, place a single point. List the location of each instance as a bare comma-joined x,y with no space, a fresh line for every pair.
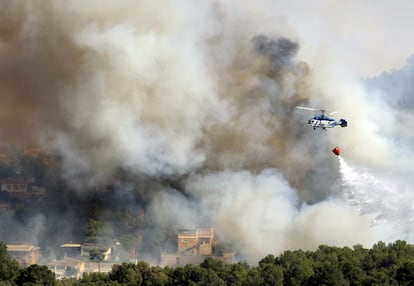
280,51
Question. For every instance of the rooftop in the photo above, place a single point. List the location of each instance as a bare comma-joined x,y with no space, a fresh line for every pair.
71,245
22,247
200,232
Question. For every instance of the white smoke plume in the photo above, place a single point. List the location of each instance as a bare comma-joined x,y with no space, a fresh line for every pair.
205,92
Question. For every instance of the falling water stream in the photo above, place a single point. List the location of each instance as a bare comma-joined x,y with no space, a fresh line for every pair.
388,200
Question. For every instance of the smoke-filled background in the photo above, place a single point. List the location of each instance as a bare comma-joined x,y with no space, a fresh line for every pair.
202,95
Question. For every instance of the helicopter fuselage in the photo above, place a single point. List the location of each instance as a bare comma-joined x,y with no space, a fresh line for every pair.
322,121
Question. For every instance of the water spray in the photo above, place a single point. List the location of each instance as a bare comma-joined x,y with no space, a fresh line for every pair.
386,200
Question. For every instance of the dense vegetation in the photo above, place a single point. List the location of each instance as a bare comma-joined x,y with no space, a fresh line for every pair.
391,264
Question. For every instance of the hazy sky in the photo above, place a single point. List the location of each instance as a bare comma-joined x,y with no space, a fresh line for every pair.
368,37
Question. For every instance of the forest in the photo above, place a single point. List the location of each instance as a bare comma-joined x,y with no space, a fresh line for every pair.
382,264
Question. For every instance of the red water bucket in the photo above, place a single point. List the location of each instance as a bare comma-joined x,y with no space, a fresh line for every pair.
336,151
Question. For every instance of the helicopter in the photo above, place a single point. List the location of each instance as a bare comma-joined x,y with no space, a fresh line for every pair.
323,121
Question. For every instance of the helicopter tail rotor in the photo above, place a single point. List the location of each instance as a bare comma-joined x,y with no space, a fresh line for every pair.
343,123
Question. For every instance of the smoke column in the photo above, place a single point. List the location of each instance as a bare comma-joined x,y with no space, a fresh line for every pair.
203,94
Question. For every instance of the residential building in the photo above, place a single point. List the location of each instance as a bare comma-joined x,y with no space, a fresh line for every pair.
67,267
25,254
16,185
195,242
71,250
193,247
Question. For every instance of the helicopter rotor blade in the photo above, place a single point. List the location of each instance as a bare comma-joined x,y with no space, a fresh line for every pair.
307,108
334,112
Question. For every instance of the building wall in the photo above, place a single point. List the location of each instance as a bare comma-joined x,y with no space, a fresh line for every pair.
204,249
67,267
175,260
71,250
169,259
185,242
25,258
